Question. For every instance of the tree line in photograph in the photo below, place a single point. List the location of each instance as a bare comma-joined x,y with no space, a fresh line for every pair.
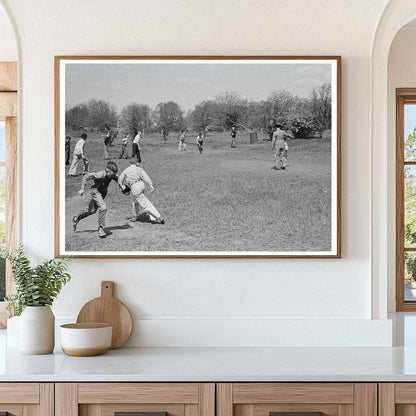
302,116
410,207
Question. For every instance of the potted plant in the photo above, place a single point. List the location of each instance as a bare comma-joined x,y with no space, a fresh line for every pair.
36,289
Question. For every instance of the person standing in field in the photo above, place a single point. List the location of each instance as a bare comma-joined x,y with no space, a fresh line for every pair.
99,189
107,142
135,179
67,149
124,154
136,146
280,147
78,155
233,137
182,144
200,142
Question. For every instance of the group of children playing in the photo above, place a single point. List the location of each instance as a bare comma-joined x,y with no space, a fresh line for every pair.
132,181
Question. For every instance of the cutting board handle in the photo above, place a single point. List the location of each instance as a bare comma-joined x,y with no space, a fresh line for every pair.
107,289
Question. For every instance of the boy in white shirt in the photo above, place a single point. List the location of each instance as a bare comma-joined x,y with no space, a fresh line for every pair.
136,146
135,179
78,155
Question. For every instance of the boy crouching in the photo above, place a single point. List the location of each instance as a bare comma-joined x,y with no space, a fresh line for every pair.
135,178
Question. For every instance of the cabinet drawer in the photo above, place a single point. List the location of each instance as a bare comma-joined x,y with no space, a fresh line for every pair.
21,399
397,399
297,399
153,399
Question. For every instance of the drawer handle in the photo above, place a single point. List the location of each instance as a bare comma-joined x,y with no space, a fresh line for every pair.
138,414
296,414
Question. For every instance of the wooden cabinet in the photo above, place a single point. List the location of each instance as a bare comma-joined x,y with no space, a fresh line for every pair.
297,399
107,399
27,399
397,399
208,399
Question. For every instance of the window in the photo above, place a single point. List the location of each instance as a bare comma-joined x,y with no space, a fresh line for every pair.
406,199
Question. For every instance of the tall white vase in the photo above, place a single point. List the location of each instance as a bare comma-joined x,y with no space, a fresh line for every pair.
37,330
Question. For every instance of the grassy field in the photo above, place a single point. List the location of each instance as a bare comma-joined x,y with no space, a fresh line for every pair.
223,200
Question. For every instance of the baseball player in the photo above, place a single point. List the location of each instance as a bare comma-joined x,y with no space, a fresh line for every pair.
124,153
136,146
99,189
280,147
200,142
134,179
107,141
182,144
78,155
233,137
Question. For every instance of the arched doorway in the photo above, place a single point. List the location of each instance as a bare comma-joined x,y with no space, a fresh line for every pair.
396,14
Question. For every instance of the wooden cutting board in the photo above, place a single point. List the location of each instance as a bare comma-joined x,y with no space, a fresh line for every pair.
107,309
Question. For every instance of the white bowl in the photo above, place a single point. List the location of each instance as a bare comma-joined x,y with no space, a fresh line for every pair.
83,340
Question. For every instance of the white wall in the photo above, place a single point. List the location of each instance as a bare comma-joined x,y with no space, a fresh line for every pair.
180,301
401,74
8,47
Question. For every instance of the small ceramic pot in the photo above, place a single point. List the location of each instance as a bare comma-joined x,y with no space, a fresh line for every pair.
37,330
83,340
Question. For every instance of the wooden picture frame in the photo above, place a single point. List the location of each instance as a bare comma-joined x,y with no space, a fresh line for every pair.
231,196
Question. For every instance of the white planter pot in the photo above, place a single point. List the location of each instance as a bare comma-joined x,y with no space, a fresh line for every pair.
37,330
13,331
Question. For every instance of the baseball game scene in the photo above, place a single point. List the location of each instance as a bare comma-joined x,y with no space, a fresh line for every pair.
202,157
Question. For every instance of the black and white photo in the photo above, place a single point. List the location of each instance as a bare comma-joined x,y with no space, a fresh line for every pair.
198,156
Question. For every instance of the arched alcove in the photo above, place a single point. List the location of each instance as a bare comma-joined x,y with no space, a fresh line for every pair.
396,14
8,44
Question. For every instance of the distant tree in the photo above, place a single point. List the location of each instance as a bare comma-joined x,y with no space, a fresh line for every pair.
282,105
410,146
169,117
410,191
232,109
321,107
257,115
300,120
134,118
77,117
204,115
102,115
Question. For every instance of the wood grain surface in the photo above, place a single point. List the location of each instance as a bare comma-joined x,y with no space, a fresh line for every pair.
110,393
252,393
107,309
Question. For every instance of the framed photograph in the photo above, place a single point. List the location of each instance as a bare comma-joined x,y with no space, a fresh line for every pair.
198,156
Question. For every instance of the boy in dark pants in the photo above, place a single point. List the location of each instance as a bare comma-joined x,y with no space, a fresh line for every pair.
99,190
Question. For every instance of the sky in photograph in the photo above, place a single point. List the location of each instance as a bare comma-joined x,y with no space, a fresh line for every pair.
409,119
187,84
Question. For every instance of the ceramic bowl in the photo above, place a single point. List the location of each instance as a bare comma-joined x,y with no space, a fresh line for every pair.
83,340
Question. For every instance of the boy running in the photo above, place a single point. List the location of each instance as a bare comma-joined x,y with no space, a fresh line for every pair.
99,190
135,178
